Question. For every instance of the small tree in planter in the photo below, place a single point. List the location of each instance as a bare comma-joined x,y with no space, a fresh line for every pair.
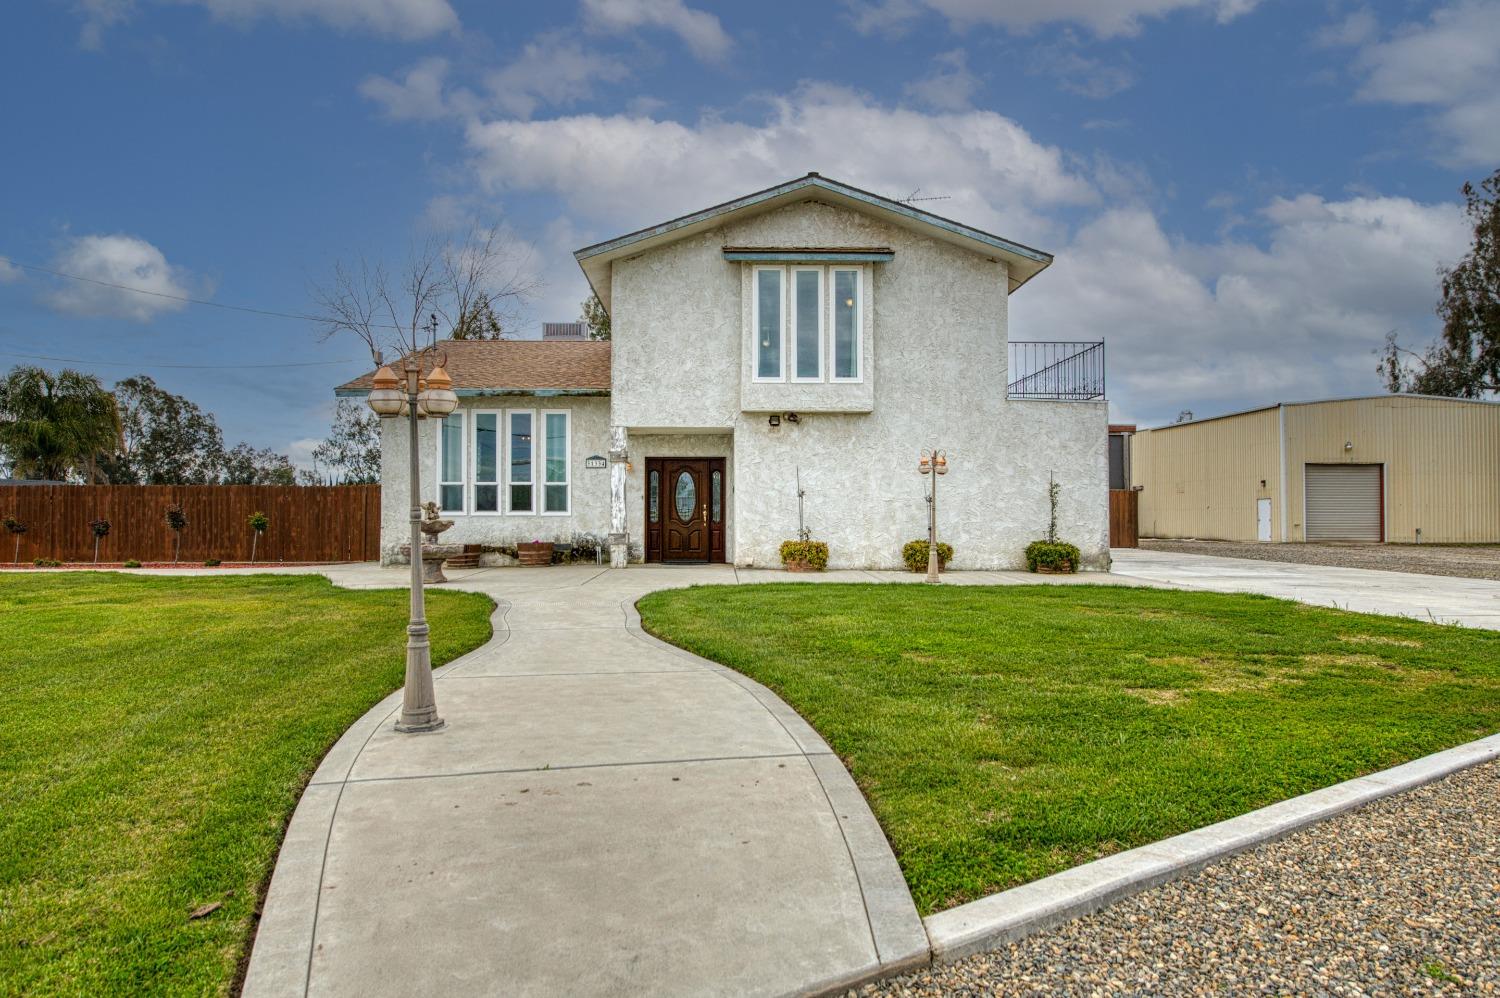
15,528
176,519
804,555
100,527
259,523
1051,556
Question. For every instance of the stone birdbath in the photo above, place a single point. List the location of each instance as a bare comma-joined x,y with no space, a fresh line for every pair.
433,553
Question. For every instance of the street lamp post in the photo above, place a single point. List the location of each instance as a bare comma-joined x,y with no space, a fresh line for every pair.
432,396
933,463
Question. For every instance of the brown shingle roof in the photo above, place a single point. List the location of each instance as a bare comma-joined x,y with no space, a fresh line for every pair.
517,364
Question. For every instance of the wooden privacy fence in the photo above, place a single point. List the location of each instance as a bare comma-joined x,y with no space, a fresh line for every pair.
1124,522
308,523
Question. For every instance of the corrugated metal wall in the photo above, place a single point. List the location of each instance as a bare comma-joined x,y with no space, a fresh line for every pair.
1203,479
1441,461
1441,457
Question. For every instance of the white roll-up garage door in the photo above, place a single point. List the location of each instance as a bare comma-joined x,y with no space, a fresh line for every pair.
1343,502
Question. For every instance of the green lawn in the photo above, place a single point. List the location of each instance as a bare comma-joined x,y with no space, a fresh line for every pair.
1003,734
155,737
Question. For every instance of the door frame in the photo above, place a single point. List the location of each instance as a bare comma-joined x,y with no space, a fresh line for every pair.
655,533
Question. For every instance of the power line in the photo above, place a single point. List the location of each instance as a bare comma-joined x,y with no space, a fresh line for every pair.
180,367
163,294
194,301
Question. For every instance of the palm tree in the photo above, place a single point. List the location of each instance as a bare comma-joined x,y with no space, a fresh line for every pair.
54,424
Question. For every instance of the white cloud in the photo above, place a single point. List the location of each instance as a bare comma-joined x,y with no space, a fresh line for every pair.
1105,18
1449,63
417,96
950,86
404,19
699,30
994,173
1226,325
10,273
123,260
1077,73
552,69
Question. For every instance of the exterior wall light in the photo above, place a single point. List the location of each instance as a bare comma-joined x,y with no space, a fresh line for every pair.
775,419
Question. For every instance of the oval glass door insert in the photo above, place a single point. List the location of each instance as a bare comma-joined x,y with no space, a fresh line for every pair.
686,496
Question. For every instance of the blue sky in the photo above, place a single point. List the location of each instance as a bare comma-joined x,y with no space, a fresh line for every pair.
1244,196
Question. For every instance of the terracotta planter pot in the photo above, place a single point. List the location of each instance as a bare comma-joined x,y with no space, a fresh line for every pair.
799,566
1065,568
534,554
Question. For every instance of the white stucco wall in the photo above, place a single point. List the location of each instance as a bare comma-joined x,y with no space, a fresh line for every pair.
936,369
590,487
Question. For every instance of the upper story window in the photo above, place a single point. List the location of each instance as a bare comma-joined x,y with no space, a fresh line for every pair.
807,322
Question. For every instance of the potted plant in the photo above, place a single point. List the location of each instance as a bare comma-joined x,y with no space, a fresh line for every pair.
1052,556
15,528
534,552
914,553
804,556
258,522
100,527
176,519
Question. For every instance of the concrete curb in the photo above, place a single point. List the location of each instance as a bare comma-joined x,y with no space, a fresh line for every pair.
1002,918
900,939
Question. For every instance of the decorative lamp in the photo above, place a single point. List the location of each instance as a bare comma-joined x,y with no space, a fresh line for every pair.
386,396
438,399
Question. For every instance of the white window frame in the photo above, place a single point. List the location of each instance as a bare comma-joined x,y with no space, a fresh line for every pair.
567,482
859,325
471,466
463,463
509,511
791,336
755,273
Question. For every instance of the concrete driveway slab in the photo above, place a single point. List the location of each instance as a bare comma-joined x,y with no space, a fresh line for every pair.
1438,599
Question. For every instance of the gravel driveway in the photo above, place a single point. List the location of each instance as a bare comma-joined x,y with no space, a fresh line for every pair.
1399,897
1480,562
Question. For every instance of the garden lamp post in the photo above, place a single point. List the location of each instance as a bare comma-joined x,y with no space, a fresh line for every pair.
421,397
933,463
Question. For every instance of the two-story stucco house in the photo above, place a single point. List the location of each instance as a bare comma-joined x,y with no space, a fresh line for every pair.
812,332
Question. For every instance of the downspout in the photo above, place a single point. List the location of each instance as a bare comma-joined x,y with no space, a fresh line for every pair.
1281,434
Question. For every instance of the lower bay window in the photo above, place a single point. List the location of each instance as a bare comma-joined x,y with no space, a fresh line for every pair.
505,461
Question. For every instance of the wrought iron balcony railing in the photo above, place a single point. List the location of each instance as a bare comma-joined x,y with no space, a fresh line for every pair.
1046,370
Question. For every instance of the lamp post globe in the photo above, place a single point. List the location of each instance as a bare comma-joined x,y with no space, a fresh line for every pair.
438,399
386,396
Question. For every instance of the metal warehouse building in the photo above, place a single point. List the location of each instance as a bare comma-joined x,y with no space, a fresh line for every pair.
1404,468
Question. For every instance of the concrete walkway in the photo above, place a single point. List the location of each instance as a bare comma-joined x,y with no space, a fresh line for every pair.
1441,599
603,814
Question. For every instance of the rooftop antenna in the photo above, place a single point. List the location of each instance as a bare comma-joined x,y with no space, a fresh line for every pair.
913,199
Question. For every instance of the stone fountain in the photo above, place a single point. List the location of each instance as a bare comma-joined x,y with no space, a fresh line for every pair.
433,553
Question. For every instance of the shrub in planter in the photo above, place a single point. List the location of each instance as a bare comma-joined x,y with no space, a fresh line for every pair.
804,556
210,563
914,553
1052,557
46,563
132,563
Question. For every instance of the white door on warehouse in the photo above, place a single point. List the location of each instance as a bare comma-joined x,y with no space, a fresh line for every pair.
1262,519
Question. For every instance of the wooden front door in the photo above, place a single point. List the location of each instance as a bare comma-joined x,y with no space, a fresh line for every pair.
685,509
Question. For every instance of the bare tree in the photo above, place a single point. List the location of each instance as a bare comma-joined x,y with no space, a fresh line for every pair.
443,278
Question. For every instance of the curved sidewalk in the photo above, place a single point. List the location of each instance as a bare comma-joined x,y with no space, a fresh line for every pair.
604,814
